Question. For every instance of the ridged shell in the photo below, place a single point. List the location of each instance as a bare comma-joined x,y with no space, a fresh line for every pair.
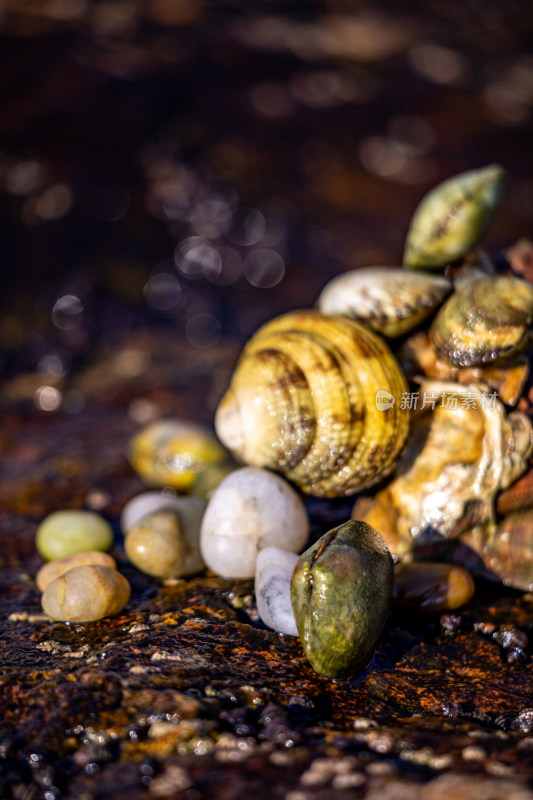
488,321
452,218
302,401
391,300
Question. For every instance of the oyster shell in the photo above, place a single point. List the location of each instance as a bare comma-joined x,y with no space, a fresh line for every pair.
459,455
340,591
317,398
391,300
452,218
485,322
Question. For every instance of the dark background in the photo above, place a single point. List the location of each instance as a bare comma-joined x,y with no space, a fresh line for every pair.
200,167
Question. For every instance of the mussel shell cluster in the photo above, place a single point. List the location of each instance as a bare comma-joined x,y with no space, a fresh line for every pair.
302,401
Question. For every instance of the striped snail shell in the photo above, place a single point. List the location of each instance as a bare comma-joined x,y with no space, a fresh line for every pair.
317,398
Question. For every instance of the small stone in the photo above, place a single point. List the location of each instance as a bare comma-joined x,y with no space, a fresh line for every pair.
85,594
450,623
143,504
165,543
173,452
66,532
363,724
511,638
473,753
300,702
274,568
49,572
485,628
431,586
171,780
516,655
250,510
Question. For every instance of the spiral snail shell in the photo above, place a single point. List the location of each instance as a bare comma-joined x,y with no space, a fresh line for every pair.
304,400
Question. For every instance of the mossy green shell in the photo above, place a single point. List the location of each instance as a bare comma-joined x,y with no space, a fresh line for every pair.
452,218
340,592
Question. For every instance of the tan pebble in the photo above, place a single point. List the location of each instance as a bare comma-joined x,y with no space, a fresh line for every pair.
350,781
49,572
85,594
431,586
473,753
165,543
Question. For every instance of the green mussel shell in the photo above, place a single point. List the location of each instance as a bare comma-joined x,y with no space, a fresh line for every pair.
453,217
340,592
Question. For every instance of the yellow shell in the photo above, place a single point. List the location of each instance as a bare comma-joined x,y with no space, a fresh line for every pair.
317,398
173,453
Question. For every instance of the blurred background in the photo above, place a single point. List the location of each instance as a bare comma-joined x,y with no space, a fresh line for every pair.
194,168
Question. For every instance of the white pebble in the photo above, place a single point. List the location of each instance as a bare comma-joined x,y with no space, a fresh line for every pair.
273,573
251,509
143,504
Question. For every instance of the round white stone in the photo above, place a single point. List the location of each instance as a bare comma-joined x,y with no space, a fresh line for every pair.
143,504
273,573
251,509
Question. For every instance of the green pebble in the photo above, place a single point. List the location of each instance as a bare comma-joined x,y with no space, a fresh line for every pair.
64,533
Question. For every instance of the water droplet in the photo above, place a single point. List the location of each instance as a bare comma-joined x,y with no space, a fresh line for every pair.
263,268
203,330
48,398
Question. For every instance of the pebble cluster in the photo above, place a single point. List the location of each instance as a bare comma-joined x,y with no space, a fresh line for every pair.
335,595
80,582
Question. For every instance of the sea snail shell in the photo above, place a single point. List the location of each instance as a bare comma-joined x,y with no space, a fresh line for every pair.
304,400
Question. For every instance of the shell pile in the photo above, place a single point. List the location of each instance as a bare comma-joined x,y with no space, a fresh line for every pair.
319,396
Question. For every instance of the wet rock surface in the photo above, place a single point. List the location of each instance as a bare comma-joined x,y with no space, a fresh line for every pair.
186,694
